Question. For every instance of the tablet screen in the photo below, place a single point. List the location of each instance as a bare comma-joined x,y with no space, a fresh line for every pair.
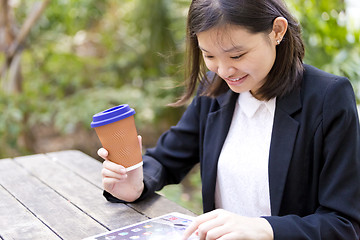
170,226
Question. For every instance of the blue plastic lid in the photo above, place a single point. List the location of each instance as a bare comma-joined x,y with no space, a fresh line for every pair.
112,115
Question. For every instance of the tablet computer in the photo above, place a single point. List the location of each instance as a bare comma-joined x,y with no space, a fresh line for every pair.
169,226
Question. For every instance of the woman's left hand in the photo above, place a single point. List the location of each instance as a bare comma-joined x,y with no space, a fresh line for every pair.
221,224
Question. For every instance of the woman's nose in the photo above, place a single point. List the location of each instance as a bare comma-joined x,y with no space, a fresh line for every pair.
225,70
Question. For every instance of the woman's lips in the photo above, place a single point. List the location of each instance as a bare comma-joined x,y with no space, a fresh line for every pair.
235,81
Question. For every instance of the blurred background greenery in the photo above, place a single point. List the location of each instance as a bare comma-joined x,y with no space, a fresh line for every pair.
64,60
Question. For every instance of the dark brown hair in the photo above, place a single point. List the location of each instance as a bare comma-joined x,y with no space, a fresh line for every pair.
256,16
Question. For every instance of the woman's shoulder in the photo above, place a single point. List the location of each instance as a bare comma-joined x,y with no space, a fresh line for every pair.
324,89
318,76
319,82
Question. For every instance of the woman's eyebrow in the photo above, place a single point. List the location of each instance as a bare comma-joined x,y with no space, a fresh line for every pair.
202,49
232,49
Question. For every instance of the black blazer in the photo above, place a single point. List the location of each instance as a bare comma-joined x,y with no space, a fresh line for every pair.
314,162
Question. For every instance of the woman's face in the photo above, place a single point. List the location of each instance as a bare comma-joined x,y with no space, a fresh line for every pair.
242,59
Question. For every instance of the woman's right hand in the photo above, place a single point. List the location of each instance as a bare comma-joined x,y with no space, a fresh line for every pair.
126,186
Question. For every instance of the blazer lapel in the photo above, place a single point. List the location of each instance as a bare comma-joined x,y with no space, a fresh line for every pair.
217,126
284,133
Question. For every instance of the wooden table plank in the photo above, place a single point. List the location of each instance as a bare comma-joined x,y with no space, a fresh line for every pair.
59,196
75,161
151,207
79,191
52,209
18,217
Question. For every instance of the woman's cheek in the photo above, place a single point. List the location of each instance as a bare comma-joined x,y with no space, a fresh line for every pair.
211,66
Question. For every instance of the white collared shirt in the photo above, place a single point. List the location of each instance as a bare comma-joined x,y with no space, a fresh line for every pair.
242,184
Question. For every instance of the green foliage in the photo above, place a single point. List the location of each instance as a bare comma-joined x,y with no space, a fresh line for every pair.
331,44
12,113
85,56
188,194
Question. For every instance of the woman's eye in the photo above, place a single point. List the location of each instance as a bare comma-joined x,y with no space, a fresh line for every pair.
208,57
237,57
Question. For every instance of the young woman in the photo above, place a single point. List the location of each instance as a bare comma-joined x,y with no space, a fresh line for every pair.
278,141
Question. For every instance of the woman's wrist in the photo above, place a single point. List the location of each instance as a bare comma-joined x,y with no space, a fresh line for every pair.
267,233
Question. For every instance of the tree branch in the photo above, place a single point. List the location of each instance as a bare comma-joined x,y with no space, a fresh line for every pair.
38,9
7,26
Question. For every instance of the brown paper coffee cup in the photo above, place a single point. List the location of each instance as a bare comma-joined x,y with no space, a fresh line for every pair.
117,133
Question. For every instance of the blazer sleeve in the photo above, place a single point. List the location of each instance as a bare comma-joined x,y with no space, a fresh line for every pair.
175,154
338,214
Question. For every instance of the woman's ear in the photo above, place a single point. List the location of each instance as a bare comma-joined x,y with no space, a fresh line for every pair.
279,29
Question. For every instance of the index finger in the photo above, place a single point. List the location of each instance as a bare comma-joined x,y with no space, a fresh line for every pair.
114,167
197,222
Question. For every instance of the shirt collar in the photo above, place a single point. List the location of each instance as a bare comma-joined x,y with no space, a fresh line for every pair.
249,104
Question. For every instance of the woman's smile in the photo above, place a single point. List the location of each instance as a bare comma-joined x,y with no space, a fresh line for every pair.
236,81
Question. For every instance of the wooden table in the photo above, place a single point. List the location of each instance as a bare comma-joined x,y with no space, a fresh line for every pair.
59,196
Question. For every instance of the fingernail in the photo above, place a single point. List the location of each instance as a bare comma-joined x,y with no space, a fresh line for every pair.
102,151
